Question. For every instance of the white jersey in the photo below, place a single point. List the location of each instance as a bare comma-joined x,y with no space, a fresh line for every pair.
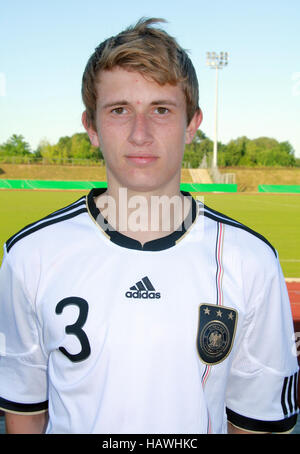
172,337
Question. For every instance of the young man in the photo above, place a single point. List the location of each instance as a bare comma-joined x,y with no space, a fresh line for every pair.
115,323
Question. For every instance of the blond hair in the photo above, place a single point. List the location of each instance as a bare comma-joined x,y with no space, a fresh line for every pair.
147,50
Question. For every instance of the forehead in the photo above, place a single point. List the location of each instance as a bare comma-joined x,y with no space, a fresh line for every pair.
133,86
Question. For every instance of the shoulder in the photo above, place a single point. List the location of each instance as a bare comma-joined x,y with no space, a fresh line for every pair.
45,229
249,253
240,236
250,261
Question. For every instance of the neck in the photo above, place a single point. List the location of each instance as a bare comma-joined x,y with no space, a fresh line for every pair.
144,216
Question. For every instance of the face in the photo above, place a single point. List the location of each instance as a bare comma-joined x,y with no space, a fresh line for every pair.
141,128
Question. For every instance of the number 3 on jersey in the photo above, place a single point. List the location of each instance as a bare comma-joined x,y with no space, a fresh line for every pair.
76,328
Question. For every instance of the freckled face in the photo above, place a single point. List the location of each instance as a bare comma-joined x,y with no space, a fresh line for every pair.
141,130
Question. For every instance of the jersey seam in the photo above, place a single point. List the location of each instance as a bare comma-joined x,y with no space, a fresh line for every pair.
262,367
252,314
7,404
25,413
33,308
261,370
255,361
266,418
43,223
14,401
259,431
220,217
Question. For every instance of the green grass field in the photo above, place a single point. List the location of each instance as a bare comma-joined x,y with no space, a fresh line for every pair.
277,217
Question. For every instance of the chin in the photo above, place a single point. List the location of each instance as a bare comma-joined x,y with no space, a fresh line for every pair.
142,186
143,182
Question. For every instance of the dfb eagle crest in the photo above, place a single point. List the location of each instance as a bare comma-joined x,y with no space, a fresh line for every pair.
216,332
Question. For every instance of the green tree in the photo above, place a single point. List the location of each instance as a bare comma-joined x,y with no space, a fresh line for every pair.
196,150
76,147
63,148
266,151
15,145
47,151
81,147
262,151
234,151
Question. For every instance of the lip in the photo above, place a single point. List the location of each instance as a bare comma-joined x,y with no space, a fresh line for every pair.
141,159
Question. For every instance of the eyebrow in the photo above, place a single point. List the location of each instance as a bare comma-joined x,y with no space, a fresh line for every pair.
123,102
168,102
115,103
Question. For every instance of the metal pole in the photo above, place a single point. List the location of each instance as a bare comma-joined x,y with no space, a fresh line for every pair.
215,151
216,61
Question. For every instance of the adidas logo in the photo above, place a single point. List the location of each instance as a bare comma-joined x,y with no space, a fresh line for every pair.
143,290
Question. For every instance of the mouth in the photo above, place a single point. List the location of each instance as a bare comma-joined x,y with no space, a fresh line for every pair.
141,159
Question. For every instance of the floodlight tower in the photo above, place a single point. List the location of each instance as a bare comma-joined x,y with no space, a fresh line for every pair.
216,61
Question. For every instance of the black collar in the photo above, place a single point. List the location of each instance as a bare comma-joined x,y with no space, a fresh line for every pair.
127,242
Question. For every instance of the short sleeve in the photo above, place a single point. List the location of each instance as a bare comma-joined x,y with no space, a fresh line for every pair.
262,387
23,364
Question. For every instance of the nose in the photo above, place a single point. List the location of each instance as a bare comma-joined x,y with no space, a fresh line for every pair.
140,133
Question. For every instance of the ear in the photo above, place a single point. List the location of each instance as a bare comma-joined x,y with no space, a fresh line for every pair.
193,126
90,130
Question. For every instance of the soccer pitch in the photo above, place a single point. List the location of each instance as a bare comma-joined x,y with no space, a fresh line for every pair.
277,217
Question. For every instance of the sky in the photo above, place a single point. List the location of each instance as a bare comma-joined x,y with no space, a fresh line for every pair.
45,45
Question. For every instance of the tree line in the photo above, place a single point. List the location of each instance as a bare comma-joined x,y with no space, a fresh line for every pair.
262,151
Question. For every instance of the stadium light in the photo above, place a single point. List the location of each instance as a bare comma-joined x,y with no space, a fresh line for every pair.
216,61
